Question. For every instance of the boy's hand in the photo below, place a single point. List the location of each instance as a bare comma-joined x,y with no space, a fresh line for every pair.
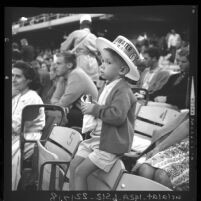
138,95
87,108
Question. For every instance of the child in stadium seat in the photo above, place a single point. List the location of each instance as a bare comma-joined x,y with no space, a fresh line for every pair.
114,113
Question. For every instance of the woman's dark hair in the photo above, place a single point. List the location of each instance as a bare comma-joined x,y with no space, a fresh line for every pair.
184,52
29,73
68,57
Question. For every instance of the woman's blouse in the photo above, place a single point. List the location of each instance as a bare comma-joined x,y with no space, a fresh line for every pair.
18,103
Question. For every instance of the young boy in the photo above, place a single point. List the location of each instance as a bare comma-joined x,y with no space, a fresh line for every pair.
114,113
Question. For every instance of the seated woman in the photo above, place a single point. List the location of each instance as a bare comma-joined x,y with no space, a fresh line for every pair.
176,90
168,162
24,82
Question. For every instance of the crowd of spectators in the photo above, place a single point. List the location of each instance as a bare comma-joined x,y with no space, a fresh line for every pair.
160,65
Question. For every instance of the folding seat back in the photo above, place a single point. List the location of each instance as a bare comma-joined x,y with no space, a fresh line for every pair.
147,120
49,176
64,142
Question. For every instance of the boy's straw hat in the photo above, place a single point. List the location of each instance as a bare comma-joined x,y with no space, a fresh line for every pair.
126,50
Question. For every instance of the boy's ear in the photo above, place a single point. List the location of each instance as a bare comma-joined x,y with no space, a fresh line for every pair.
124,70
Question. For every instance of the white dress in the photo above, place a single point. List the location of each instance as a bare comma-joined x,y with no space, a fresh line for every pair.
18,103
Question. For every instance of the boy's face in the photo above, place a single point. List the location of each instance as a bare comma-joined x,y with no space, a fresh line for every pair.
110,67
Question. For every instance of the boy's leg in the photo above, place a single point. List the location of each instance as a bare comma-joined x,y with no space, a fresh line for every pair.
81,174
73,165
83,152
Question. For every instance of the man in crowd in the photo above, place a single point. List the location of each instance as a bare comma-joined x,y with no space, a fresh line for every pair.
16,54
172,43
72,83
176,90
153,77
82,42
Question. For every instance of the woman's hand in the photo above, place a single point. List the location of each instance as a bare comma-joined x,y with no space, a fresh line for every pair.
87,108
161,99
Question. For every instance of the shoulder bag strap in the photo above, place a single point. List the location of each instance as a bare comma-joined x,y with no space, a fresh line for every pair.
74,49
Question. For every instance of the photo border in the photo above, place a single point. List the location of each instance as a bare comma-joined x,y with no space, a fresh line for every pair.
64,196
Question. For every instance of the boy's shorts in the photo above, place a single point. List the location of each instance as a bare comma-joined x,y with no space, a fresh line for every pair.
90,148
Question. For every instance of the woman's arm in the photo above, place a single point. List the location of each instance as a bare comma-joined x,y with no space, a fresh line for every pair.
27,99
180,133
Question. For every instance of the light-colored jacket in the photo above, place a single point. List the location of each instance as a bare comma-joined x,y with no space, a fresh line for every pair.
83,42
158,80
69,91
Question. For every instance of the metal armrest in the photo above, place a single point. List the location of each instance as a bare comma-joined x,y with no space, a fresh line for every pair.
52,173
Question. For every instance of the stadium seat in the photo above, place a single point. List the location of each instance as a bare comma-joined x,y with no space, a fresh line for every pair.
102,181
63,142
147,120
130,182
51,176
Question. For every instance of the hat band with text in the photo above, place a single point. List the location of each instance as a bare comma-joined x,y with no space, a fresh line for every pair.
126,48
